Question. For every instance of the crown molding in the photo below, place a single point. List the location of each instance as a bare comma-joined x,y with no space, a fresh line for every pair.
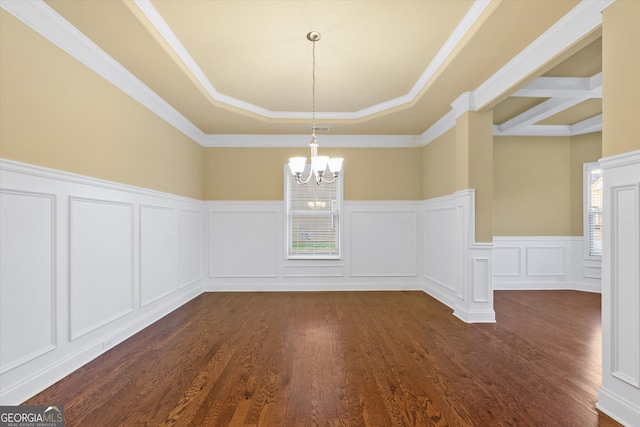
40,17
472,15
579,22
266,141
465,102
439,128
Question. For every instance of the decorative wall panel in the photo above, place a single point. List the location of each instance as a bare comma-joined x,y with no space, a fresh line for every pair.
383,243
625,294
191,235
544,262
101,263
619,394
27,276
481,279
507,261
159,251
76,256
440,235
243,244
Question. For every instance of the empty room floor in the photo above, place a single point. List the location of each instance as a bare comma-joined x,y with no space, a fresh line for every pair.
348,359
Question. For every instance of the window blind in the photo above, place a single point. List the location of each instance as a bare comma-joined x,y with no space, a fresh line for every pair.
313,218
594,211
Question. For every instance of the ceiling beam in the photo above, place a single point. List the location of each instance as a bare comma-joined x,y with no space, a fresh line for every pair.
563,87
540,112
590,125
582,20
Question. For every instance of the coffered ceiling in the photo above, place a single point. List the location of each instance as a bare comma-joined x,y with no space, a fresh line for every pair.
237,72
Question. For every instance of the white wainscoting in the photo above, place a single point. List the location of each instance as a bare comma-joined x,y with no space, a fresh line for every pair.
28,276
159,252
243,240
457,271
619,395
247,249
544,262
383,243
441,258
87,263
84,265
101,263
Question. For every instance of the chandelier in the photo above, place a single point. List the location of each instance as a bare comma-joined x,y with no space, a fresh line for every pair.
319,164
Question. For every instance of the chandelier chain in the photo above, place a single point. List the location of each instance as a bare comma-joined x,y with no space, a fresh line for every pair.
319,164
313,90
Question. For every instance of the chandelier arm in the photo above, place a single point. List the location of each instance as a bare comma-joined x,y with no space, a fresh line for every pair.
302,182
326,181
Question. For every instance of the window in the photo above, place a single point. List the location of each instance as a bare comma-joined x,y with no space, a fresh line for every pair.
593,210
313,218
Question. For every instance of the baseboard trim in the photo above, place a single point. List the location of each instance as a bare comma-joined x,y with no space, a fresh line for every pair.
312,287
545,286
626,413
438,294
474,316
48,376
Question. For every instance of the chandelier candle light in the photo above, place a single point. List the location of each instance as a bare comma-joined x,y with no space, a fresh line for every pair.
318,163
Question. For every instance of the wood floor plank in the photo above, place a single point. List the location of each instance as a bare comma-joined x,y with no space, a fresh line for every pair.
348,359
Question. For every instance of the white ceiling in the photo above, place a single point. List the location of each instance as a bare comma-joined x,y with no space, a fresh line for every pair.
239,72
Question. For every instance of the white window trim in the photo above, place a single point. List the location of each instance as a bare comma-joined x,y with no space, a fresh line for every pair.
339,255
586,169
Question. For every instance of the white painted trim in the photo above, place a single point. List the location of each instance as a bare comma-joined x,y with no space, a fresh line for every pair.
58,175
463,103
624,159
449,46
540,112
578,274
47,22
563,87
564,93
44,378
53,343
619,395
621,410
578,23
73,349
301,140
581,20
442,126
313,285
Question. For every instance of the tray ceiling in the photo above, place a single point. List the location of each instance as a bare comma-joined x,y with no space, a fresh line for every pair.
383,67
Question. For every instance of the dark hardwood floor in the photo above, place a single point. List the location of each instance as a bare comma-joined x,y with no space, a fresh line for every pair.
348,359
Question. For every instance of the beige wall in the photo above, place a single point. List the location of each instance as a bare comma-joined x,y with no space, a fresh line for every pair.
584,149
57,113
439,166
71,119
474,166
257,173
532,186
620,88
